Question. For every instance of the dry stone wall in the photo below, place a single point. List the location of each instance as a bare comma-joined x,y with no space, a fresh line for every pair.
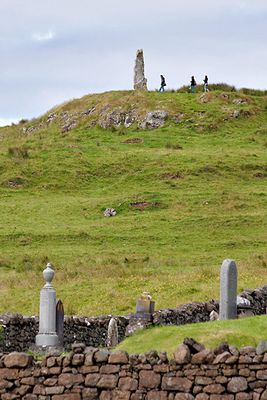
19,332
87,373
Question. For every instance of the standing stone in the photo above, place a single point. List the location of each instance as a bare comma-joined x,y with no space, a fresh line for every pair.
228,289
113,334
47,335
60,322
140,82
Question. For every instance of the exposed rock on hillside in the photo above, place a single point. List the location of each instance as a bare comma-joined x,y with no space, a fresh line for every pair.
154,119
145,111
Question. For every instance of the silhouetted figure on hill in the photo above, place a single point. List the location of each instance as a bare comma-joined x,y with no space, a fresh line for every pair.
205,87
162,84
193,84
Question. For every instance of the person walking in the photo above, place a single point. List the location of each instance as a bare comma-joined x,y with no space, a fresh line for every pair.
162,84
205,87
193,84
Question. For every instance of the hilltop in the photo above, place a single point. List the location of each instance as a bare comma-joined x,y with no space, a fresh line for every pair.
186,174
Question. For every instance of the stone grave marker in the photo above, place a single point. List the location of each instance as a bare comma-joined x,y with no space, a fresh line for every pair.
228,290
60,321
113,334
47,336
145,306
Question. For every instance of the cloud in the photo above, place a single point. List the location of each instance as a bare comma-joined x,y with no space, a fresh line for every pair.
8,121
43,37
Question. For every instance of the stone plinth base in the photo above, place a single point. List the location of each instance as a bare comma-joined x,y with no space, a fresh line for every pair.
47,340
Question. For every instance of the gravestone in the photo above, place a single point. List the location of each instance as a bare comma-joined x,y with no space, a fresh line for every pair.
145,306
140,82
228,289
60,322
113,334
47,336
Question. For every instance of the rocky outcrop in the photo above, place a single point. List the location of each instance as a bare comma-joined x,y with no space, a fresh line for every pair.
154,119
140,82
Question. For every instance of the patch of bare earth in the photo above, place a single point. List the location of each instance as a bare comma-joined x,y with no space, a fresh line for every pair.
169,175
133,141
144,204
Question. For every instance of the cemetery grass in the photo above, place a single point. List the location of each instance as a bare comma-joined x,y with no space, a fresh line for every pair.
242,332
189,195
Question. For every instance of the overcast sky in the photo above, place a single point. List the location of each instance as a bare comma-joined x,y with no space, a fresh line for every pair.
56,50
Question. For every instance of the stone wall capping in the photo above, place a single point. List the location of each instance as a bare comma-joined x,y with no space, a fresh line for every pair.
118,357
221,358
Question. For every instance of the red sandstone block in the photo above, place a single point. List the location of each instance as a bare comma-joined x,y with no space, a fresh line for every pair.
157,395
68,380
67,396
7,373
175,383
128,383
90,394
109,369
107,381
214,388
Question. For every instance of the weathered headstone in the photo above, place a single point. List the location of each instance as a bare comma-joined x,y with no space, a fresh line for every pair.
145,306
60,322
228,289
113,334
140,82
47,335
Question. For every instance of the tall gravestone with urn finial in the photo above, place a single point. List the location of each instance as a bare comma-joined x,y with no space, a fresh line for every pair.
47,335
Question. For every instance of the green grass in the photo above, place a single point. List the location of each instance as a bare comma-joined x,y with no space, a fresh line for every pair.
242,332
207,175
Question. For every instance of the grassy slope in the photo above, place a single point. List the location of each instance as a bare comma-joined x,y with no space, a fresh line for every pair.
239,333
215,209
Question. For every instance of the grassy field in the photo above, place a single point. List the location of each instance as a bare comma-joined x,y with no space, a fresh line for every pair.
204,177
242,332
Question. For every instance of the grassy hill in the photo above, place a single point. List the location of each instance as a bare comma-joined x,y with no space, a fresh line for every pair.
238,332
187,195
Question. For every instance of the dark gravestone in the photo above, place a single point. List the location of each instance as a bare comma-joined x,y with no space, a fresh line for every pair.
60,321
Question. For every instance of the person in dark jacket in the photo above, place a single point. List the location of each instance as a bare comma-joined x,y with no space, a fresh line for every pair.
205,87
193,84
162,83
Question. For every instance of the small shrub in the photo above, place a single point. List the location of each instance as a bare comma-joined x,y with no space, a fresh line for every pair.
253,92
18,152
23,121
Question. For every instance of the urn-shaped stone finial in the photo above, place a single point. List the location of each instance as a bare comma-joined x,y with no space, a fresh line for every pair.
48,274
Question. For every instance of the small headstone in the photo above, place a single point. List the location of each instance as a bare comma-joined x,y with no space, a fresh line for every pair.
60,322
228,288
47,336
145,306
214,316
140,82
113,334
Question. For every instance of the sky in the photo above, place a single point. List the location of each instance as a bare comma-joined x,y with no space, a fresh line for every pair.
52,51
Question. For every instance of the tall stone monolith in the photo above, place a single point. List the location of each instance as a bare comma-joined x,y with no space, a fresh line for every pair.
47,336
228,290
140,82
